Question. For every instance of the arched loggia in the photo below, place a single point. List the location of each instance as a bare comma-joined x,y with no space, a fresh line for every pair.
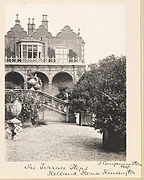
14,80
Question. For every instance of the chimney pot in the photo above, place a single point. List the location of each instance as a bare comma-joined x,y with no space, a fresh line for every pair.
32,20
45,21
43,17
46,17
29,20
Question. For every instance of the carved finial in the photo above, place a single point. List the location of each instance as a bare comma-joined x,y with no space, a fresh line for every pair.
17,21
78,32
17,16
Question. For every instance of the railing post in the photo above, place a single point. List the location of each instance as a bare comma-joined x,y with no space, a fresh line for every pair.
16,58
78,59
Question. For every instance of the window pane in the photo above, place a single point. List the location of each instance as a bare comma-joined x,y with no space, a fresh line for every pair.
65,56
34,47
57,56
29,54
34,54
25,48
39,54
61,51
29,47
19,48
24,54
65,51
57,51
61,56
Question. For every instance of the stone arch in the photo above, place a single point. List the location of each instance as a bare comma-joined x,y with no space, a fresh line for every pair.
44,79
62,78
16,78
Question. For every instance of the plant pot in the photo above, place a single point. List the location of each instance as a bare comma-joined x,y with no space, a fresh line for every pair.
113,142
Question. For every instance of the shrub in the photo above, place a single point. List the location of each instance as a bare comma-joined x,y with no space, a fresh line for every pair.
102,91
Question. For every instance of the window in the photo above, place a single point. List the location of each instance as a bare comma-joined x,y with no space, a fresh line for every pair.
24,51
61,53
34,51
19,50
29,51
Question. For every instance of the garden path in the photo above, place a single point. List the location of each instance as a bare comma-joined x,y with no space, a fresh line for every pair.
59,142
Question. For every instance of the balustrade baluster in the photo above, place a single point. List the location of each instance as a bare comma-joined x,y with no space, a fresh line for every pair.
38,97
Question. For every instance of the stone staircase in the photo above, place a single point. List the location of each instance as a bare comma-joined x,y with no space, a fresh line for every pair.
55,109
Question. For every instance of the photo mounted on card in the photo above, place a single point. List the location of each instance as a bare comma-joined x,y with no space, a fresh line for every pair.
71,89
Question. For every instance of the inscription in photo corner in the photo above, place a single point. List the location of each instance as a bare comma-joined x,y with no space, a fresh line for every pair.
125,169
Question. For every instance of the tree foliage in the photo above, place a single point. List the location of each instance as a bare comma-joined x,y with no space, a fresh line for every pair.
9,52
11,85
51,52
102,91
72,54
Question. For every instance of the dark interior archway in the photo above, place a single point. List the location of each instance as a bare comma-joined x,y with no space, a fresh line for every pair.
14,80
63,79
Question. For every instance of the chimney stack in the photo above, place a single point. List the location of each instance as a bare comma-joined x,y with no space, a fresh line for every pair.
45,21
17,21
31,26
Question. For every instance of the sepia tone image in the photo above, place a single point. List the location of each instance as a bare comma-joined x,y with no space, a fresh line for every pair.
65,82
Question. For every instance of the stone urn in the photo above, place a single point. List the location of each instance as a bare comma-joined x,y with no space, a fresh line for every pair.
16,108
37,86
33,81
13,126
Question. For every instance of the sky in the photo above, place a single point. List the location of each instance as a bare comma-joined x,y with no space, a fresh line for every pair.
102,26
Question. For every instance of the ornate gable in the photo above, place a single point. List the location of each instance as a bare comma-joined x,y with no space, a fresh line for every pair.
41,32
17,31
66,33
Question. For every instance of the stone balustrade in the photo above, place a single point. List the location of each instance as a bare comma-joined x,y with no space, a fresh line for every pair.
42,98
44,61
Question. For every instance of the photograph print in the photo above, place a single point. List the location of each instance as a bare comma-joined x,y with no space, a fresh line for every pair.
65,82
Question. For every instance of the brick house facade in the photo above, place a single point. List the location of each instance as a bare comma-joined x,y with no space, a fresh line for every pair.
55,59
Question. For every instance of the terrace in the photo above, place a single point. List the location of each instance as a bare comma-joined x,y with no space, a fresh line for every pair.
44,61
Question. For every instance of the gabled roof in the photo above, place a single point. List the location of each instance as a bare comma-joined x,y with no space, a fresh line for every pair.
66,33
18,31
41,32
